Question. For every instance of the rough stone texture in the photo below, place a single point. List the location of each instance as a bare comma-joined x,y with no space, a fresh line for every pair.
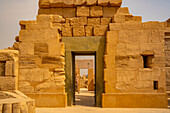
66,30
78,31
93,21
100,30
91,2
89,30
78,21
96,11
109,11
83,11
111,2
105,21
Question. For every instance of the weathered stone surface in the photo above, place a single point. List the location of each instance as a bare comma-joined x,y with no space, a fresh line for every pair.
79,2
110,2
91,2
93,21
123,10
78,21
83,11
44,3
9,68
7,83
96,11
153,25
78,31
105,21
58,19
89,30
40,49
66,30
44,18
131,26
100,30
63,3
109,11
7,108
69,12
115,26
118,18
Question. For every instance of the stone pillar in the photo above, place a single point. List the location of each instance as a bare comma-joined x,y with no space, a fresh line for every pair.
1,105
90,80
16,108
7,108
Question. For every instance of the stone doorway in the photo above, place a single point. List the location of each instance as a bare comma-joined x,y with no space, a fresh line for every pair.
84,79
84,46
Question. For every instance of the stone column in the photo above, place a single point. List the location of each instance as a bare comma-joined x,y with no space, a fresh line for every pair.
16,107
90,80
7,108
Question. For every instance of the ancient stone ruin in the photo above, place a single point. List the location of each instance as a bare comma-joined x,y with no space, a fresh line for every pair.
130,58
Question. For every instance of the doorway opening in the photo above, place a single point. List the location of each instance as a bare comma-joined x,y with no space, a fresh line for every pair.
84,80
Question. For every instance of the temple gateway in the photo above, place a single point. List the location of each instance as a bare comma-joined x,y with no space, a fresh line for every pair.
132,58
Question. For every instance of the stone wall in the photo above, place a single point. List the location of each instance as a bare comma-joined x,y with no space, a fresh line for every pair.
167,54
8,70
85,63
42,61
134,60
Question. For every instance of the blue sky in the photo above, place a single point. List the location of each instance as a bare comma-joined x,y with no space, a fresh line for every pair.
12,11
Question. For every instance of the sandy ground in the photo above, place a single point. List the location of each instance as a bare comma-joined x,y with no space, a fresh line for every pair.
85,103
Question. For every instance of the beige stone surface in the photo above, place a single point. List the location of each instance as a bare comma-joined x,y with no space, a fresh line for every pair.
91,2
89,30
57,19
100,30
109,11
63,3
79,2
78,21
115,26
9,68
66,30
105,21
93,21
44,3
96,11
110,2
78,31
83,11
123,10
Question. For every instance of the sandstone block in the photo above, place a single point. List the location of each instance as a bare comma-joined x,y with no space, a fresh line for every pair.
100,30
55,48
7,83
153,25
109,11
83,11
78,31
26,48
38,26
9,68
66,31
115,2
44,18
58,19
93,21
89,30
118,18
110,2
123,10
137,18
27,62
105,21
40,49
25,87
69,12
131,25
96,11
44,3
91,2
78,21
61,3
34,75
44,11
1,105
115,26
79,2
56,11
